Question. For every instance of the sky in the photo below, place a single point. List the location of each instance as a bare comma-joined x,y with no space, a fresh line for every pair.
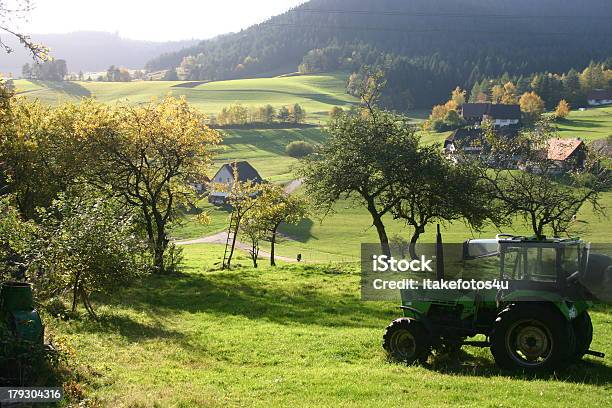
152,20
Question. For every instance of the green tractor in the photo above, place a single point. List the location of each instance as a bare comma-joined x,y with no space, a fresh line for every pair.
537,320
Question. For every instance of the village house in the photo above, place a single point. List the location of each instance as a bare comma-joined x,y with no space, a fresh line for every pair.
468,140
225,175
566,154
500,114
598,97
471,142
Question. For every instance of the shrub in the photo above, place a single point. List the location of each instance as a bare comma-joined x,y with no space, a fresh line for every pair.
87,245
438,125
299,149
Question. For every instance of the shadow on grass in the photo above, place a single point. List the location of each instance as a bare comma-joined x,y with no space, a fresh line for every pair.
248,294
582,123
132,330
317,97
70,88
302,232
466,364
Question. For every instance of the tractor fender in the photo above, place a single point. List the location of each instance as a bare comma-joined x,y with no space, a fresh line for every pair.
418,316
569,312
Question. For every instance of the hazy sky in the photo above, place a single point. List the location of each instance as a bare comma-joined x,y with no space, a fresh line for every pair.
152,20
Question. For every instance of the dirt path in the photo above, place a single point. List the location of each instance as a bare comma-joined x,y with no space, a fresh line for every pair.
294,185
221,238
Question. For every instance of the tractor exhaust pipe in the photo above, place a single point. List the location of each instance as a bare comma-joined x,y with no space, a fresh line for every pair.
439,256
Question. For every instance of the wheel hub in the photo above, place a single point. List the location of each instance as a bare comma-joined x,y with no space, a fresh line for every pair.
532,342
404,344
529,342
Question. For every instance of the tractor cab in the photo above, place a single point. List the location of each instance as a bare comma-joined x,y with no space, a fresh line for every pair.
564,267
531,259
548,263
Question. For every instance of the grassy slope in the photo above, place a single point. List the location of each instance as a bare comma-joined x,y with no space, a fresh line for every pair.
316,93
592,124
293,336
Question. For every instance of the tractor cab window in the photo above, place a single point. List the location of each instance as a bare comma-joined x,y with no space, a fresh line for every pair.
541,264
530,263
512,264
570,260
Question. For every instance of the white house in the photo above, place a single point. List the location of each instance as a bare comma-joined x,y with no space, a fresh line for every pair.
225,175
598,97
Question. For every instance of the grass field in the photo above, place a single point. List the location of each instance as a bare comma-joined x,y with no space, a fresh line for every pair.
316,93
338,236
291,336
592,124
297,335
265,149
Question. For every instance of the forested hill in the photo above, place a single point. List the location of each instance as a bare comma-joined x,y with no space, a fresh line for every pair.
442,41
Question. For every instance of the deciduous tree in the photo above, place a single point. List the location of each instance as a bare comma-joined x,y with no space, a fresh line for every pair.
275,207
10,14
355,161
438,190
562,110
149,155
546,199
87,245
532,105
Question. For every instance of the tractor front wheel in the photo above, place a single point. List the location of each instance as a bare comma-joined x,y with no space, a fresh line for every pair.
532,337
407,341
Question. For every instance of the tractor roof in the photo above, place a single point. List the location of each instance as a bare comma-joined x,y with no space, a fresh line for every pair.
541,240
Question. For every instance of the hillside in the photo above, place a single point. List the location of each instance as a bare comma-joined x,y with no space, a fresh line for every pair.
445,42
316,93
90,51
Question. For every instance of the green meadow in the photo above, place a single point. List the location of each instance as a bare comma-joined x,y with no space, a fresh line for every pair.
296,335
589,125
316,93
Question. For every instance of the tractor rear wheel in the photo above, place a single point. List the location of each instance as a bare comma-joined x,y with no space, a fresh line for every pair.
583,330
532,337
407,341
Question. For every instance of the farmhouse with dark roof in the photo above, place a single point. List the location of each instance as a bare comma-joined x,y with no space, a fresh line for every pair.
499,114
225,175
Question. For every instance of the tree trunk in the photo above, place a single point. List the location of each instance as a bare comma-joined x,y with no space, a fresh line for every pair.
87,304
413,241
272,247
161,244
75,291
380,229
537,227
254,252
